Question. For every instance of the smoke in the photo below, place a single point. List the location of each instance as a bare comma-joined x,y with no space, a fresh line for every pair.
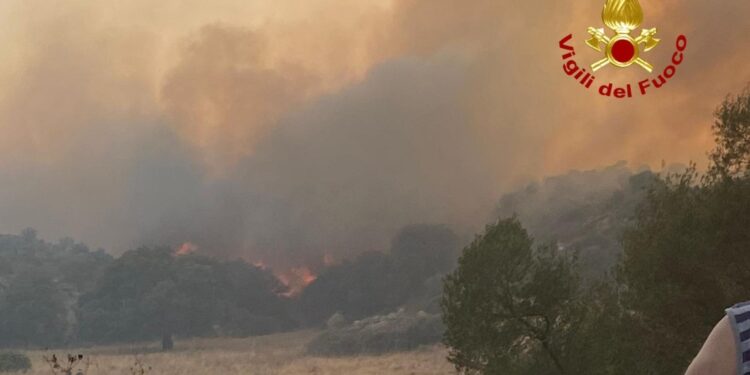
346,173
285,133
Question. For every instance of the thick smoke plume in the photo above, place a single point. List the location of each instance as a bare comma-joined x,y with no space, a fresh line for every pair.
288,133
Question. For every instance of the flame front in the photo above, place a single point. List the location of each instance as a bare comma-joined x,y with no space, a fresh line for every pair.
185,249
296,280
623,16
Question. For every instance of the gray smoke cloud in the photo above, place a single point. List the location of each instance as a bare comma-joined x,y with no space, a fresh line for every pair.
343,174
281,140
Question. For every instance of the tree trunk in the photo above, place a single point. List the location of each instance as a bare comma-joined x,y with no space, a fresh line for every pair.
167,343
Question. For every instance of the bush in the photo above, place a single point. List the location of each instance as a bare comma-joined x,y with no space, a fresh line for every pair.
10,362
397,331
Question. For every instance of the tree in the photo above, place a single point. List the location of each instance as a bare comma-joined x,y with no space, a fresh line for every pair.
150,293
39,284
249,302
370,284
375,282
511,308
33,312
185,302
114,310
685,260
731,155
685,257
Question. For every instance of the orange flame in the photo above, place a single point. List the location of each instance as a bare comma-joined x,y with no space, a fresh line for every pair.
185,249
296,279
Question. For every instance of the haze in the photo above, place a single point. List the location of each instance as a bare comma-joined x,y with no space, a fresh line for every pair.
288,131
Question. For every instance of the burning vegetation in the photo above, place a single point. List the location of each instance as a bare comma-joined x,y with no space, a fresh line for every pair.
296,279
185,249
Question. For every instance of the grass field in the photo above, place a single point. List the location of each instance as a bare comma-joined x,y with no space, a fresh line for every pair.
275,354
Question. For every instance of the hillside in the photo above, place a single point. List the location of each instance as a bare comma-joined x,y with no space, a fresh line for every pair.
583,211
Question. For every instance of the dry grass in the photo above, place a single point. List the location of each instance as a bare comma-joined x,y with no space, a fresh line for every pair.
281,354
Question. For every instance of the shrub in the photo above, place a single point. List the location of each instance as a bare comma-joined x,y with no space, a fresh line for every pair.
66,365
11,362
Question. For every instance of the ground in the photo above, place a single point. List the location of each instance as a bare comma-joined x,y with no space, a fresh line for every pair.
281,354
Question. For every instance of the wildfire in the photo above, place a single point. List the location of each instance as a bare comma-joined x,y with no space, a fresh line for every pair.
185,249
296,280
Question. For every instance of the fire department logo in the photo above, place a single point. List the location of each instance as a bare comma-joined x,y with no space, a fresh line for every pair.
622,50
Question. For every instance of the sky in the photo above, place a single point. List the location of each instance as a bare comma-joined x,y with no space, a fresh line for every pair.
284,131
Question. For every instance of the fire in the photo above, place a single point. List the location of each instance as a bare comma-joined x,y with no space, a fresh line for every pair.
185,249
296,280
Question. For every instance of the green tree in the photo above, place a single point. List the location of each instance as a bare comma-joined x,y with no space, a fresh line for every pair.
685,260
114,310
376,282
370,284
33,312
150,293
731,155
511,308
39,284
685,257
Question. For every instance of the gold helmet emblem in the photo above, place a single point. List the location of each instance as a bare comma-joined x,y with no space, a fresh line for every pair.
622,50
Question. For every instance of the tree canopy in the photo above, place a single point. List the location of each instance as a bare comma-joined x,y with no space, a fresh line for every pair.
376,282
685,258
510,306
149,293
39,284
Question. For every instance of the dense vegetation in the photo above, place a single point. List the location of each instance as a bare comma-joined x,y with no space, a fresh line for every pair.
148,293
61,293
39,285
376,283
514,306
56,294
